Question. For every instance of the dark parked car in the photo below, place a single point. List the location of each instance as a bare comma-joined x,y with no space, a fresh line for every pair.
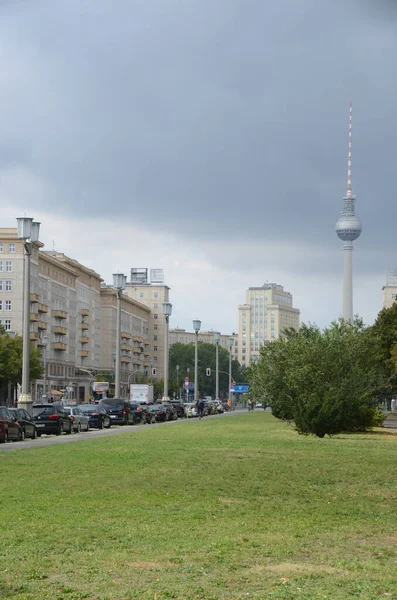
10,429
26,422
149,416
180,410
119,410
52,418
98,418
159,412
171,412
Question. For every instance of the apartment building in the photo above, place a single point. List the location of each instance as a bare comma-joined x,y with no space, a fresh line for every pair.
181,336
135,345
266,313
390,290
149,289
72,318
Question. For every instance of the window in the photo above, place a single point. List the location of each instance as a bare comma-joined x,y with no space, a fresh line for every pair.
155,337
8,266
8,285
156,305
1,266
141,295
1,304
11,248
8,304
6,324
155,316
155,358
156,295
1,246
155,327
1,285
155,348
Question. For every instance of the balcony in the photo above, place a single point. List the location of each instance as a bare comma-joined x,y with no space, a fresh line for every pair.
42,325
34,298
84,353
84,326
60,330
138,339
146,353
43,308
59,346
33,336
126,347
84,339
59,314
125,359
137,349
41,343
85,312
34,317
126,335
146,364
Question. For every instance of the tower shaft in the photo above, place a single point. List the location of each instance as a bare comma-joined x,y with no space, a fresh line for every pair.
348,283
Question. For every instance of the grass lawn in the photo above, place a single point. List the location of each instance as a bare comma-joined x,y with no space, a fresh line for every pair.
238,507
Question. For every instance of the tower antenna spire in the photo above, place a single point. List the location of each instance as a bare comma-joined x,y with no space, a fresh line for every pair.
349,193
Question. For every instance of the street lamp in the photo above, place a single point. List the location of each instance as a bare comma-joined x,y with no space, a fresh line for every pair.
167,311
196,327
119,282
217,337
28,231
177,381
44,341
230,343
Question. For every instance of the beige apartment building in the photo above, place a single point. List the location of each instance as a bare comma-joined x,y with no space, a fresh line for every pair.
181,336
390,290
266,313
149,289
72,318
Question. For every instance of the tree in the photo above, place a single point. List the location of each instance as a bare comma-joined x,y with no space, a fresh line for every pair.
385,344
325,381
11,351
183,355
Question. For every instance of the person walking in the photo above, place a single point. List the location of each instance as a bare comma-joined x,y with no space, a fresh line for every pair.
200,408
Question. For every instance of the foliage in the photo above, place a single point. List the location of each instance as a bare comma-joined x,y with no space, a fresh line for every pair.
385,341
183,355
325,381
11,351
225,509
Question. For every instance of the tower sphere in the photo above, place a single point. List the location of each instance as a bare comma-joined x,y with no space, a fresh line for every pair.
348,228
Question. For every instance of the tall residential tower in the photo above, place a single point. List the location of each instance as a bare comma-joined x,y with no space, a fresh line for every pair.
348,229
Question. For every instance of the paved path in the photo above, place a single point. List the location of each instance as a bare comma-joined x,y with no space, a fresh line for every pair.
390,423
49,440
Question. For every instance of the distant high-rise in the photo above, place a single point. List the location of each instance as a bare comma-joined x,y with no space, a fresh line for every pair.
390,290
348,229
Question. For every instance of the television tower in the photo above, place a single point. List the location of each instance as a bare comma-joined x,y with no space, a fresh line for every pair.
348,229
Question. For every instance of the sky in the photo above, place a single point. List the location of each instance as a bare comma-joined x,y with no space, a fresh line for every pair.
207,138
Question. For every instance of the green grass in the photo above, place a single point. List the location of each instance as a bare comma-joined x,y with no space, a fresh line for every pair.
238,507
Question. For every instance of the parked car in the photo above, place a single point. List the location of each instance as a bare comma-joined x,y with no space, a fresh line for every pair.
52,419
158,410
219,408
26,422
148,414
180,411
10,429
171,414
119,410
80,420
190,409
97,417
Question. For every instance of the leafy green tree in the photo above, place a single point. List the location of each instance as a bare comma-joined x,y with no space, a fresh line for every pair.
11,350
325,381
385,344
183,355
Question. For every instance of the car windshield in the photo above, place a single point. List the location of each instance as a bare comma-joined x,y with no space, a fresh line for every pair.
43,410
115,404
88,408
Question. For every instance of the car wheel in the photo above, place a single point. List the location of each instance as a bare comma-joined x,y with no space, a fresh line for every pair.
22,435
110,424
60,429
34,436
71,430
79,428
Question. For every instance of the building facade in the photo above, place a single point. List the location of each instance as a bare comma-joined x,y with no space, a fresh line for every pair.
72,319
266,313
151,292
181,336
390,290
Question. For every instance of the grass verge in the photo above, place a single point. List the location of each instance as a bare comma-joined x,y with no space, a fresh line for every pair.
238,507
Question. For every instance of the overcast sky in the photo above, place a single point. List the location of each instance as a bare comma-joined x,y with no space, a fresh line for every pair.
207,138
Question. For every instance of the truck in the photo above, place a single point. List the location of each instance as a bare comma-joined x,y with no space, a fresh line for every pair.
141,392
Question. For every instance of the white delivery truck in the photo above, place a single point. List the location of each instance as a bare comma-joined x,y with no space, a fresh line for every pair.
141,392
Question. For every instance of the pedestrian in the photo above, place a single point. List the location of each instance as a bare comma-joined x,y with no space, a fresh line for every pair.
200,408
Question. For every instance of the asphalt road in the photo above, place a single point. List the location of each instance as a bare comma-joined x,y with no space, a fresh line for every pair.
49,440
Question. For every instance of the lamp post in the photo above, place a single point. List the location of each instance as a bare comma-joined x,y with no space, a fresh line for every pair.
119,281
44,341
28,231
177,381
217,337
196,327
230,343
167,311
